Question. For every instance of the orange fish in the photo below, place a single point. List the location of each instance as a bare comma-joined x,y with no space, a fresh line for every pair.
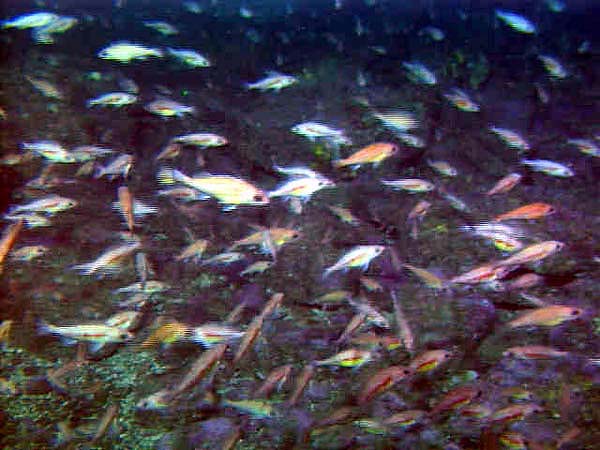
531,253
535,352
456,398
371,154
505,184
481,274
531,211
405,418
126,203
276,379
429,360
382,381
301,382
515,412
200,368
548,316
8,239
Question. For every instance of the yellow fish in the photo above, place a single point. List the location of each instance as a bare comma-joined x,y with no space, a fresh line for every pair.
548,316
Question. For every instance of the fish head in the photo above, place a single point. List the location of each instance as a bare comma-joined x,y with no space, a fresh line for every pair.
260,198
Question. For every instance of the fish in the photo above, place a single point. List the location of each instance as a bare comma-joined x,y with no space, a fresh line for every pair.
381,381
164,28
534,352
553,168
84,153
148,287
46,88
419,210
371,154
193,251
586,146
199,369
433,32
256,408
250,336
405,418
108,262
372,315
410,139
124,52
169,108
354,324
345,215
301,382
49,205
429,360
275,380
516,21
200,140
505,184
359,256
44,35
412,185
32,220
554,68
370,284
9,237
98,334
528,212
348,358
418,73
212,334
398,120
514,441
114,99
534,252
31,20
28,253
404,331
462,101
274,81
51,150
514,413
257,267
315,130
126,206
443,168
431,281
119,166
548,316
511,138
190,58
277,235
228,190
185,194
125,320
482,274
224,258
301,188
167,333
455,399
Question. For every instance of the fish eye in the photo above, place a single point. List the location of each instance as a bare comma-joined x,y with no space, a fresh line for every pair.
575,312
406,371
258,198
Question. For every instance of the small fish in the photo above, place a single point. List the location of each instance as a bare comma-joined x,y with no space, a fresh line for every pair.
516,21
229,190
51,150
399,120
419,210
302,188
200,140
250,336
372,315
370,284
429,360
50,205
156,401
525,281
200,368
476,411
274,81
44,35
383,380
9,237
333,297
411,140
97,333
443,168
167,333
169,108
84,153
298,172
125,320
455,399
119,166
483,274
28,252
345,215
511,138
548,167
189,57
404,330
31,20
534,252
193,251
164,28
126,206
149,287
586,146
431,281
46,88
32,220
514,441
554,68
505,184
114,99
125,52
256,408
405,418
433,32
418,73
514,413
348,358
257,267
412,185
275,380
556,6
224,258
213,334
373,341
529,212
278,236
5,328
534,352
462,101
301,382
371,154
108,262
185,194
548,316
315,130
359,256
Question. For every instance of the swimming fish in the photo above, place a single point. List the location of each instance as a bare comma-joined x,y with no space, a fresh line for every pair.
534,252
412,185
189,57
274,81
31,20
586,146
443,168
302,188
553,66
381,381
530,211
547,316
315,130
399,120
125,52
505,184
359,256
511,138
49,205
548,167
110,261
348,358
120,166
461,100
371,154
516,21
164,28
169,108
51,150
200,140
418,73
114,99
96,333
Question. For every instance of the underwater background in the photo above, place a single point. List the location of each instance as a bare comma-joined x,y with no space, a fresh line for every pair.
299,224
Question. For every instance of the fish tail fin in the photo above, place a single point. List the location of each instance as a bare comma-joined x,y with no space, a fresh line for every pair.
44,327
167,175
90,103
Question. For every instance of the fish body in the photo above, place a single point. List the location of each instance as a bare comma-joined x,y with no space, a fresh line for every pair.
119,166
109,261
410,139
149,287
405,418
257,267
28,252
189,57
315,130
49,205
433,32
275,379
553,66
51,150
201,140
456,398
114,99
164,28
185,194
98,333
124,320
274,81
399,120
46,88
528,212
586,146
347,358
169,108
371,154
227,189
32,20
84,153
418,73
548,167
302,188
432,281
443,168
359,256
126,206
382,381
167,334
224,258
505,184
419,210
462,101
547,316
345,215
44,35
412,185
9,237
516,21
193,251
429,360
278,237
514,413
511,138
534,252
535,352
125,52
256,408
483,274
213,334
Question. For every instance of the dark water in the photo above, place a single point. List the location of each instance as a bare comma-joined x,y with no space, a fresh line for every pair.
348,62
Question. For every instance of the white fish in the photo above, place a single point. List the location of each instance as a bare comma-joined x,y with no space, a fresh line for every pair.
44,35
164,28
189,57
359,256
511,138
119,166
50,150
299,171
553,66
399,120
418,73
201,140
116,99
49,205
108,262
32,20
302,188
548,167
274,81
84,153
140,209
315,130
586,146
124,52
516,21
